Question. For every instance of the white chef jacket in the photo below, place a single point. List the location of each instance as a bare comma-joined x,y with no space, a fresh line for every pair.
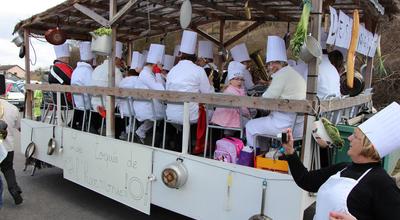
128,82
10,114
186,77
328,77
144,109
100,78
81,76
286,84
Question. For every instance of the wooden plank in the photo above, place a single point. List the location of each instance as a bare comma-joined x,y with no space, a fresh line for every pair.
312,81
28,98
303,106
110,104
93,15
205,35
128,6
337,104
242,33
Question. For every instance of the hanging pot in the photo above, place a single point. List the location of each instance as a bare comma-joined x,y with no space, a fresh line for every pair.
51,146
18,40
310,50
358,85
21,52
55,36
101,45
175,174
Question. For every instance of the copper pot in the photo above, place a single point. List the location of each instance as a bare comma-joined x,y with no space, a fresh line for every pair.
55,36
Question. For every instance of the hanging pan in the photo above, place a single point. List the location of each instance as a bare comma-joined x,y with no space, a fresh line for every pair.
51,146
30,149
55,36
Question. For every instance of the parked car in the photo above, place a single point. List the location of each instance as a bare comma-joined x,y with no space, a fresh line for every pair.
14,94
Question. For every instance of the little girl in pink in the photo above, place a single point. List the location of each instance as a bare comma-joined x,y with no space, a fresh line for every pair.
230,117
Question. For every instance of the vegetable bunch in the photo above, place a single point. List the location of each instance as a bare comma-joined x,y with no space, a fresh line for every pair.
103,31
301,31
333,133
381,63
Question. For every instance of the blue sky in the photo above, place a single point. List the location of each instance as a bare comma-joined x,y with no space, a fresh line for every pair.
10,14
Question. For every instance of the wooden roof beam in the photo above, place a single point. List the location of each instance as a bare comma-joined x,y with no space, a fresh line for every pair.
127,7
205,35
219,8
242,33
91,14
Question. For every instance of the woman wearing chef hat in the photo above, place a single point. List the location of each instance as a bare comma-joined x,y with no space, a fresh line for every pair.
361,189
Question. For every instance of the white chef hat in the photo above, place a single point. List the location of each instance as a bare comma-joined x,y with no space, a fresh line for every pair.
176,50
235,69
383,128
276,49
240,53
85,50
62,50
168,62
118,49
188,42
205,49
137,60
156,54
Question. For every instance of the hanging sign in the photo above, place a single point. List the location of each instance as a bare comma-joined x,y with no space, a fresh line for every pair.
363,45
374,45
334,26
343,34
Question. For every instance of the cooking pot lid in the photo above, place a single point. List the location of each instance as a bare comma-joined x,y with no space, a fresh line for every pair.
185,14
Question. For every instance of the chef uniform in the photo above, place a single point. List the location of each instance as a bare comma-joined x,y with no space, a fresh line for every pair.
82,76
286,84
365,190
205,51
130,82
146,111
100,77
186,77
240,54
61,72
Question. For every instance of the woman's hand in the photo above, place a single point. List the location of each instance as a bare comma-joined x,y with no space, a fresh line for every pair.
340,216
288,146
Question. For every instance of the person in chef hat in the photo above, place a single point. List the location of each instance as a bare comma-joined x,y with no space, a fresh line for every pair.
240,54
186,76
286,84
125,105
61,71
231,117
100,78
205,59
361,189
150,78
81,76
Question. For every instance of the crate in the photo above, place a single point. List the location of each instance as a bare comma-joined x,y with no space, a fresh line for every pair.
271,164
